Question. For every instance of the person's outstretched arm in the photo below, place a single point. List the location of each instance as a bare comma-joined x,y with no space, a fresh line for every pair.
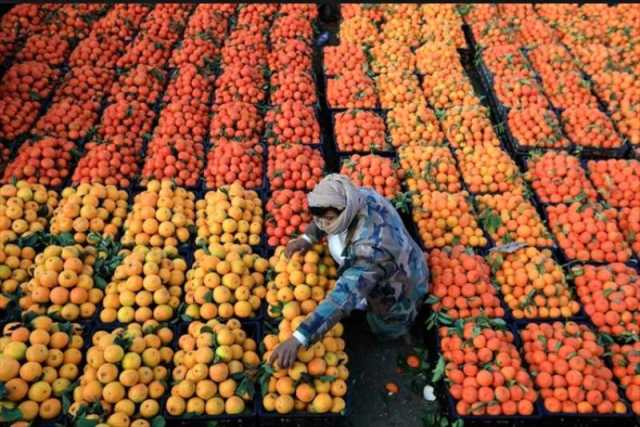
305,241
371,265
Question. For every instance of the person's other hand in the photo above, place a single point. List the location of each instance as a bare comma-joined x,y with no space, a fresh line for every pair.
285,354
297,245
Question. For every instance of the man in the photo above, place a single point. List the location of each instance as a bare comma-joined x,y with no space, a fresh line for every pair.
381,266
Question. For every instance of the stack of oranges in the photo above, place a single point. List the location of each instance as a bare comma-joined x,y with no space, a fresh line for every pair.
90,208
299,284
15,264
323,367
62,283
24,208
160,217
568,366
148,284
227,282
446,219
38,362
533,284
126,371
229,215
211,358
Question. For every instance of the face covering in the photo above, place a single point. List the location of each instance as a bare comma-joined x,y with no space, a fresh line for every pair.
324,224
338,192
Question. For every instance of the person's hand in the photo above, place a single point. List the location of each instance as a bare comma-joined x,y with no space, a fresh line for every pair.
297,245
285,354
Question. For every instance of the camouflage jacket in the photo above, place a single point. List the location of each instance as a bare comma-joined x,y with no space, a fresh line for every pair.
382,264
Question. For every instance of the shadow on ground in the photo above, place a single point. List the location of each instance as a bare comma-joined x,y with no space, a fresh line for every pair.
372,365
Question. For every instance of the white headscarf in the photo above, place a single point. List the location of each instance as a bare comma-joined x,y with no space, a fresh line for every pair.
336,191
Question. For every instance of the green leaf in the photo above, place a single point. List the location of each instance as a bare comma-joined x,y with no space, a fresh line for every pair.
84,422
438,371
327,378
245,387
28,316
495,261
122,341
158,421
432,299
491,221
65,239
100,282
157,74
34,95
10,415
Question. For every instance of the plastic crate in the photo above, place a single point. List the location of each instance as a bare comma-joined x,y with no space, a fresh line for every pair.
593,419
248,418
304,419
333,110
489,420
389,150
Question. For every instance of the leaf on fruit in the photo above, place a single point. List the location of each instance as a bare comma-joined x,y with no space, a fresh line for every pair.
85,422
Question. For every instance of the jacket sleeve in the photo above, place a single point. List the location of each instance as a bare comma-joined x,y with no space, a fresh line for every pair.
313,233
369,266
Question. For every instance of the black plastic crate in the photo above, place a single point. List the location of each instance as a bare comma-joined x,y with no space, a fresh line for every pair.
376,108
248,418
490,420
560,254
388,149
493,420
268,191
593,419
304,419
579,317
601,153
299,420
523,150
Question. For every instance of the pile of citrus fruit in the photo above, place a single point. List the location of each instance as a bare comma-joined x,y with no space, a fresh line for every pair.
156,159
39,361
224,282
147,285
160,216
62,283
128,370
210,370
300,283
317,380
229,215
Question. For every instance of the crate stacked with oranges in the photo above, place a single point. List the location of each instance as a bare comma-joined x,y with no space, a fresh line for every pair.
146,285
212,368
39,361
323,366
161,216
62,283
225,281
295,163
127,370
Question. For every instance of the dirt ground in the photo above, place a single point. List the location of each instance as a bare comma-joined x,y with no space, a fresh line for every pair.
372,365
